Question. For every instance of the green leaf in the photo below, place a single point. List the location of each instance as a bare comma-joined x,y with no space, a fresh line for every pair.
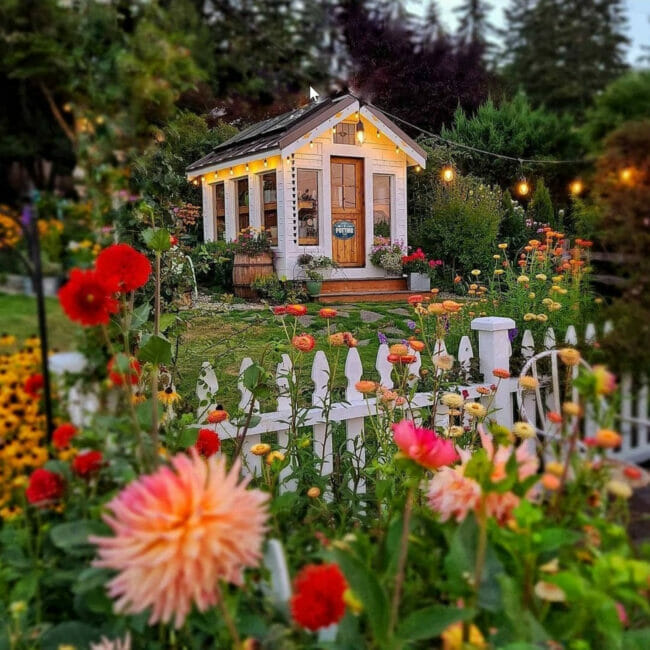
70,633
157,350
157,239
364,584
73,535
251,376
140,316
636,639
431,622
188,437
166,321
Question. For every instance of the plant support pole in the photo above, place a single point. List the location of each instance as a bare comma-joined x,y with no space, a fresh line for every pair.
30,221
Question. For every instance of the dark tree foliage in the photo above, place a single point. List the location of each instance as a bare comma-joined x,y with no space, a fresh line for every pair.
473,22
410,68
562,52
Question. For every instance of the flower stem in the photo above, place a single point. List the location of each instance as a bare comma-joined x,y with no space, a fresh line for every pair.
230,623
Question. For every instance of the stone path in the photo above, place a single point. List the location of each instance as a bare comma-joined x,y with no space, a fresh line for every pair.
370,316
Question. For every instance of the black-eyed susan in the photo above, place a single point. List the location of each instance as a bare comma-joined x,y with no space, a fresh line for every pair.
169,396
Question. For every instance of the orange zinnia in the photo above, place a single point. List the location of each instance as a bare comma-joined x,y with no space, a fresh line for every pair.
296,310
501,373
418,346
451,306
366,386
327,312
608,439
216,416
303,342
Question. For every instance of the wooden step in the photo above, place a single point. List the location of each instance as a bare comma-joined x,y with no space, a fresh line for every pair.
364,296
351,285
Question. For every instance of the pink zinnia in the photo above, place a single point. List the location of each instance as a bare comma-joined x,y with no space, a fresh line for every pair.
178,532
423,446
452,494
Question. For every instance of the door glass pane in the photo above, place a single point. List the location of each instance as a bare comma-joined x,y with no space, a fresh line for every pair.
242,204
219,211
337,185
381,205
307,207
349,186
270,206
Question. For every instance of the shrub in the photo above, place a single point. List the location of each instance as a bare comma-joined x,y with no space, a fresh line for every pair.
278,291
213,263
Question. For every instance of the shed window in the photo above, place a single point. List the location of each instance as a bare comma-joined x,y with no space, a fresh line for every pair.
243,208
270,205
345,133
381,205
219,212
307,207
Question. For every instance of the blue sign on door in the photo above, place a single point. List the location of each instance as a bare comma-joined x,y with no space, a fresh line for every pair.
343,229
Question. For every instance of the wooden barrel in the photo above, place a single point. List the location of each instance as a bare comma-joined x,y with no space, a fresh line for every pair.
246,268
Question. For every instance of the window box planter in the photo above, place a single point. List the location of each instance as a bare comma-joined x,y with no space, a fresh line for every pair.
418,282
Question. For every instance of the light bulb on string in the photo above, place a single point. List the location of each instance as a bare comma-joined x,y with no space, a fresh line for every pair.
266,162
361,134
523,188
576,187
627,175
378,133
447,173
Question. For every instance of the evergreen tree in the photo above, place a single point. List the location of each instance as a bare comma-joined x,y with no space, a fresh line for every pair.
562,52
540,209
473,22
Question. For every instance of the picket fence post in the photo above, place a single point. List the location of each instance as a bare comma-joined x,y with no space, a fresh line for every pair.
494,351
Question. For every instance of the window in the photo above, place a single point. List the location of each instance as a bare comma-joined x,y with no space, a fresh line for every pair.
243,210
219,212
381,204
345,133
307,207
270,205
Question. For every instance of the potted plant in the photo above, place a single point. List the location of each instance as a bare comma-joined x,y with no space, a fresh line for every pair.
314,267
417,269
253,259
387,255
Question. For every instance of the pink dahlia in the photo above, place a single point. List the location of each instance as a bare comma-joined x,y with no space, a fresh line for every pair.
423,446
178,532
451,494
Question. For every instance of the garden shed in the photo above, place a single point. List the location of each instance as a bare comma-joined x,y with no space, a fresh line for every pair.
324,179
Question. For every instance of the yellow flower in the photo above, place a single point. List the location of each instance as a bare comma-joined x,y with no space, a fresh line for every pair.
7,339
443,361
475,272
557,278
503,246
555,288
454,431
496,257
542,318
452,400
547,301
273,456
168,396
569,356
313,492
529,316
527,382
571,409
531,295
619,489
260,449
554,306
541,276
499,271
552,566
352,602
523,278
18,607
452,638
555,467
475,409
523,430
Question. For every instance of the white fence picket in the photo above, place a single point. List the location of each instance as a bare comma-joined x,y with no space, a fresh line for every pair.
465,355
320,374
207,386
246,395
353,373
384,367
283,374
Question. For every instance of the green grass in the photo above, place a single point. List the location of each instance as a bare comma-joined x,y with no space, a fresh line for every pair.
18,317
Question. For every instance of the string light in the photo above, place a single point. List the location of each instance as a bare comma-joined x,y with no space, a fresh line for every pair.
334,129
311,144
195,181
523,188
378,133
447,173
627,175
231,171
576,187
361,134
396,149
266,162
418,169
246,166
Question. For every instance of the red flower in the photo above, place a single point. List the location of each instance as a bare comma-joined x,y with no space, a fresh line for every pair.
33,385
280,310
118,378
303,342
173,240
296,310
207,443
88,298
216,416
44,486
318,596
413,300
327,312
63,434
555,417
123,264
87,463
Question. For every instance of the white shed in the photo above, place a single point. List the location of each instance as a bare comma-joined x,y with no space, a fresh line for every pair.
316,184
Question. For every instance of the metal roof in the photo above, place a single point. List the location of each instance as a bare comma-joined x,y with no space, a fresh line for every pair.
276,132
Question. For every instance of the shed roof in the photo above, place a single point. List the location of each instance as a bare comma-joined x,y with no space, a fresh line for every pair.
277,132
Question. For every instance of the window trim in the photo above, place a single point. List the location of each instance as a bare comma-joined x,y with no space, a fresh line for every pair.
392,201
238,212
216,214
319,206
260,188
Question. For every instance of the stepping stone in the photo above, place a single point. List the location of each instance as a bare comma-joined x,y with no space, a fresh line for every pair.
393,330
370,316
400,311
306,320
362,344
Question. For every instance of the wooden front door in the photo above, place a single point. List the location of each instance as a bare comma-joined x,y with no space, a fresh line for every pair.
348,211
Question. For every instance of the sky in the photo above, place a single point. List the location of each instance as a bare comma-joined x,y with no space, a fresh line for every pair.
638,25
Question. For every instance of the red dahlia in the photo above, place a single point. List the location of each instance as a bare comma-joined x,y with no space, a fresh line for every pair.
118,378
87,463
33,385
207,443
44,486
88,298
63,434
318,596
122,263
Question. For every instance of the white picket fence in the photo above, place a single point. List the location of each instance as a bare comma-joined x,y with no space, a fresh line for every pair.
494,351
